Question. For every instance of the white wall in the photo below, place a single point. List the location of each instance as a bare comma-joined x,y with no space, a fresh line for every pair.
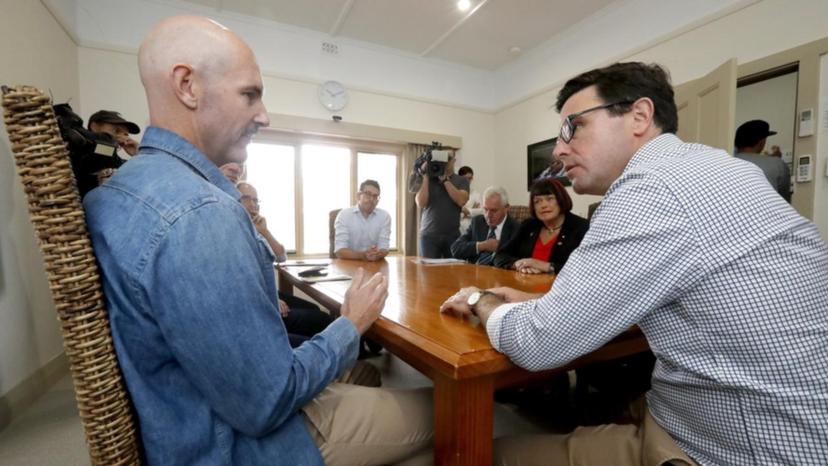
772,100
821,164
753,32
35,50
109,80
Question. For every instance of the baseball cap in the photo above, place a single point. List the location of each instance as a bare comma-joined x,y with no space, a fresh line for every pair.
751,132
108,116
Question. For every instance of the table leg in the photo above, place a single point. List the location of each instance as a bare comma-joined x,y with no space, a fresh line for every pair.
463,421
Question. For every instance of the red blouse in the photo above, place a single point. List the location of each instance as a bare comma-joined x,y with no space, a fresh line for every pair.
544,251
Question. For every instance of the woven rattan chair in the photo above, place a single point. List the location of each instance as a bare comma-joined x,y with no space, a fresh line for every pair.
55,209
519,212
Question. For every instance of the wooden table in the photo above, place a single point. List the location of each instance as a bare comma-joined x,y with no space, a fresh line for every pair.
454,352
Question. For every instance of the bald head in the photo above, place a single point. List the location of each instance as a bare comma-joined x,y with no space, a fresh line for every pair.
203,83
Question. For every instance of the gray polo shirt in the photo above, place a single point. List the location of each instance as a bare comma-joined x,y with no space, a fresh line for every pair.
442,215
776,171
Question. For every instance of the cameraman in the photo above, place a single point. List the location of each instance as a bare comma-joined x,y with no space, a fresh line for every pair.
112,123
441,199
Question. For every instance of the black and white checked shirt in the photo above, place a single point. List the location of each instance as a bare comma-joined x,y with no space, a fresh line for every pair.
728,283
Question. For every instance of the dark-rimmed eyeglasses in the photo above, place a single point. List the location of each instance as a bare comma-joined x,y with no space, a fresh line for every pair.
568,127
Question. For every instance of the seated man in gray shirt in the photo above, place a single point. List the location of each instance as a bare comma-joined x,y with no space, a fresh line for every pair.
363,232
749,142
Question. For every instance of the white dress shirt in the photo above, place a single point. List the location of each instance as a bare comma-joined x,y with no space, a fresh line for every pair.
358,232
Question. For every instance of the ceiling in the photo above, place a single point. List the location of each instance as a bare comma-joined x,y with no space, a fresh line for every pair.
483,37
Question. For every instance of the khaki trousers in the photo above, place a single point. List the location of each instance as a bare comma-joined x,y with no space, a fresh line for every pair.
356,425
641,444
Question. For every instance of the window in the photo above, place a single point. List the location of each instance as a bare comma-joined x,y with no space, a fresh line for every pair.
270,169
325,186
299,181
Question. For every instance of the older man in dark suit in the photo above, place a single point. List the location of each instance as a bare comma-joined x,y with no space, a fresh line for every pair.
486,232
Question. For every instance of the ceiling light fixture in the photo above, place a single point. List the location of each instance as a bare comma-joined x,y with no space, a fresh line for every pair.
463,5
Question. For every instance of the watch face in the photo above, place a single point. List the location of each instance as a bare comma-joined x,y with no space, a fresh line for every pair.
333,95
473,298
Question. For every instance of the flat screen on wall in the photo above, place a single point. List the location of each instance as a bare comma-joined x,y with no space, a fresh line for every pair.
541,163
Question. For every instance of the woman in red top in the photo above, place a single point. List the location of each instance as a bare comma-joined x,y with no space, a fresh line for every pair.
544,240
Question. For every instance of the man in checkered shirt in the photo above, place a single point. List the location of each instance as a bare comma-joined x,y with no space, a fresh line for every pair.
728,283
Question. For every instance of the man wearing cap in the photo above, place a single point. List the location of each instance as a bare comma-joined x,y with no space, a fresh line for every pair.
749,142
112,123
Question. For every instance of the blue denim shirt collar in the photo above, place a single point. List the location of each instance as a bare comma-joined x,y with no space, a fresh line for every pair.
173,144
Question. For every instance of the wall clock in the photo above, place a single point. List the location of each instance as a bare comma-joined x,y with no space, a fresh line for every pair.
333,95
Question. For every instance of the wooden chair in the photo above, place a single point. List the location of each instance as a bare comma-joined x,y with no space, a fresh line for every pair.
332,231
58,218
519,212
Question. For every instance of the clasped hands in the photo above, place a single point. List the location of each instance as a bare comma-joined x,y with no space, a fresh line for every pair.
458,303
373,253
531,265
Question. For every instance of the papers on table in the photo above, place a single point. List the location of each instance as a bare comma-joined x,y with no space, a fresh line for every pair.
429,261
305,263
325,278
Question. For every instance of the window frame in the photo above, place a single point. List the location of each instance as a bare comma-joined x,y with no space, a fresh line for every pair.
355,146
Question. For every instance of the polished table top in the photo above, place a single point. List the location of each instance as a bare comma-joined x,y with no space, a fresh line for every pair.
457,347
454,352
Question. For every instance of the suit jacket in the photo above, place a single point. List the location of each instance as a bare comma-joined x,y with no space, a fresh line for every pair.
572,232
464,247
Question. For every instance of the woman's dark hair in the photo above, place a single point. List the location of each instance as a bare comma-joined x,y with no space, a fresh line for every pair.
549,186
628,82
465,169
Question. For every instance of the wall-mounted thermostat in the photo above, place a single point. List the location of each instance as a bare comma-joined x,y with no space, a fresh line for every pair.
804,168
806,122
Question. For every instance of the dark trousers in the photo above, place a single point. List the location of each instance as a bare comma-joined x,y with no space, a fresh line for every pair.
305,318
437,246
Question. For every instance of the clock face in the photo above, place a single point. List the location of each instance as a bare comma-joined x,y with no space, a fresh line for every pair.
333,96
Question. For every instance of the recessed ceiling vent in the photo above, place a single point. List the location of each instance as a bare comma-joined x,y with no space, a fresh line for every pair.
329,48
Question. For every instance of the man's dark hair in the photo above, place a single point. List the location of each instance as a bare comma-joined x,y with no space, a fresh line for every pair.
628,82
369,183
465,169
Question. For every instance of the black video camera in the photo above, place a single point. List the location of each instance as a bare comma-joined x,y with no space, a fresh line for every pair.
435,159
90,152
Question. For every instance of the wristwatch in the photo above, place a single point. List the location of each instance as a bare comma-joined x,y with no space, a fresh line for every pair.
474,298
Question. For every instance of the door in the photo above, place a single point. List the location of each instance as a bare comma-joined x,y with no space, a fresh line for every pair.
707,108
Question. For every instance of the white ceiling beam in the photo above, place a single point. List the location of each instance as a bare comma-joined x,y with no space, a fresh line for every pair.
453,28
343,13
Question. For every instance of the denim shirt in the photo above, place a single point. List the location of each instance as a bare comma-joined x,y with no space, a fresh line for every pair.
194,314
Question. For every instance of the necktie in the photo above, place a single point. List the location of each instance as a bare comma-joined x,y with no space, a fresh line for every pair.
486,257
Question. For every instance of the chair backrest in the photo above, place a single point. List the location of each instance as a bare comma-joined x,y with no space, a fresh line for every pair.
519,212
591,209
55,211
332,231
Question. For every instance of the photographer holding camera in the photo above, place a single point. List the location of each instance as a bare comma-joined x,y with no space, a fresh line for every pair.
441,195
113,124
94,151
